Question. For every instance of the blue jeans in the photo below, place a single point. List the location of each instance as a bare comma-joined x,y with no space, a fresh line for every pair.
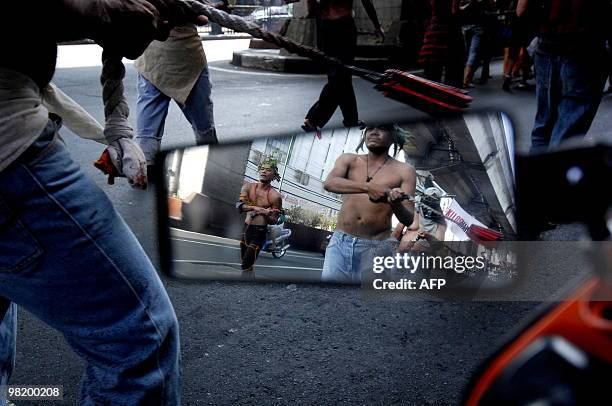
152,109
69,259
472,35
347,257
8,335
568,93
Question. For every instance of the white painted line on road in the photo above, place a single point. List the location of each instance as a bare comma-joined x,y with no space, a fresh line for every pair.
237,248
294,254
206,243
197,262
204,237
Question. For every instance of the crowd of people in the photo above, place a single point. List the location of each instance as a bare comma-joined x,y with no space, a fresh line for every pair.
564,45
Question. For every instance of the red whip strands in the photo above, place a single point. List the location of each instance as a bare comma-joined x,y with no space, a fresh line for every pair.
424,94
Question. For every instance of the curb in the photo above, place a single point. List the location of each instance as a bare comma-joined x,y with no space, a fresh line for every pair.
272,60
203,37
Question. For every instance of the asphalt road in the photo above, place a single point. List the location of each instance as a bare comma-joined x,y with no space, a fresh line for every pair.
270,343
202,256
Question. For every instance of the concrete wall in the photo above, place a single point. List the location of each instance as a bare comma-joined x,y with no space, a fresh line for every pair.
388,12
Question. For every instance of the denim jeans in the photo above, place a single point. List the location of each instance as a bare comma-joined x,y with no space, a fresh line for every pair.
568,92
152,109
472,35
68,258
348,257
8,335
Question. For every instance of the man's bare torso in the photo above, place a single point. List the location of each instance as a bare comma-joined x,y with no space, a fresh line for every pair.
335,9
358,215
262,198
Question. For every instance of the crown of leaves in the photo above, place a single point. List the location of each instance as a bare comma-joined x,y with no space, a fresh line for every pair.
271,162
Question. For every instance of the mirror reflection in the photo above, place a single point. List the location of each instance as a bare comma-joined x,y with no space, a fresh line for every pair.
326,207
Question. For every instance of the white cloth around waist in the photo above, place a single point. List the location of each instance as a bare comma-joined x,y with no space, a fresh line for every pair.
22,115
173,66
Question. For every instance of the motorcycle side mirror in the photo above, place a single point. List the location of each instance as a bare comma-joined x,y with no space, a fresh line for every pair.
211,199
568,185
563,355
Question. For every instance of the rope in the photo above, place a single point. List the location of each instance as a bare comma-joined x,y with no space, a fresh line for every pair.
116,110
236,23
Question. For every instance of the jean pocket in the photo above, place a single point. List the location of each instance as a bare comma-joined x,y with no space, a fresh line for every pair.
333,241
18,247
584,80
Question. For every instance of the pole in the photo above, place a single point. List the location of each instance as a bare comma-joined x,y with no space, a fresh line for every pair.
280,186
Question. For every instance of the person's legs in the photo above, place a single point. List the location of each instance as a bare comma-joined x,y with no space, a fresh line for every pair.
8,336
337,267
365,251
338,39
455,58
69,259
346,99
510,56
582,83
198,110
468,70
547,97
485,73
253,238
345,49
433,71
525,64
151,111
473,38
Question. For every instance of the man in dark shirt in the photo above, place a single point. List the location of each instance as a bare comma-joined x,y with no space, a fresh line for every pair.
570,75
337,37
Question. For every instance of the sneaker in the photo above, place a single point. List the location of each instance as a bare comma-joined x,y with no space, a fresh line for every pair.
525,86
311,128
507,83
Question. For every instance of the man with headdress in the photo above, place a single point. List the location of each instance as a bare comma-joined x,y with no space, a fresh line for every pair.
262,205
374,186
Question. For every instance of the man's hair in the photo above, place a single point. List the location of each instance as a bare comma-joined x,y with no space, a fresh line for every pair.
271,162
391,129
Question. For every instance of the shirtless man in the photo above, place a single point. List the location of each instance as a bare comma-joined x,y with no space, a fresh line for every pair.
262,204
428,225
337,37
363,230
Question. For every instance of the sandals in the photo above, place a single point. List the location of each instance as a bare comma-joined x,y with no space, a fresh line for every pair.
311,128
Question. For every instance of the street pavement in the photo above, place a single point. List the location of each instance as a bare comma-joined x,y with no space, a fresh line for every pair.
279,343
203,256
